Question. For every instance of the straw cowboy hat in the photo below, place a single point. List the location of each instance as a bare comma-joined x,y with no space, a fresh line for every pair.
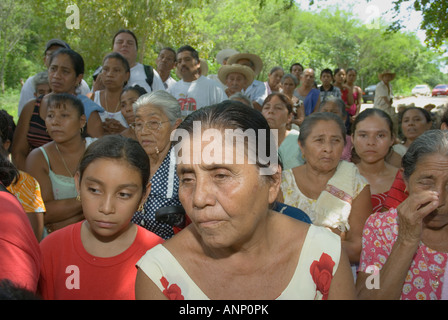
381,75
247,72
256,60
225,54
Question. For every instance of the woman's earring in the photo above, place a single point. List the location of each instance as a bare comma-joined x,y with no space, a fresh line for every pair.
141,208
78,198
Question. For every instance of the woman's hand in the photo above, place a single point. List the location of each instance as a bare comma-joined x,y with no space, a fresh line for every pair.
112,126
411,215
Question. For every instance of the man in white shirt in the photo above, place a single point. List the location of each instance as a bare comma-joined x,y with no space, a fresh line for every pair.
194,90
257,91
384,94
28,89
166,61
125,42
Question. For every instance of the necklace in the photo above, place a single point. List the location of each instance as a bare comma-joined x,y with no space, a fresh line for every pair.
107,105
63,161
435,273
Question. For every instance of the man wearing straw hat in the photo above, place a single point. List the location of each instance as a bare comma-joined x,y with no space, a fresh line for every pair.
256,91
236,77
222,58
384,94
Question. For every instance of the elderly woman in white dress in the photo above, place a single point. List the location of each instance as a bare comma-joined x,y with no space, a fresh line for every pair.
331,191
236,247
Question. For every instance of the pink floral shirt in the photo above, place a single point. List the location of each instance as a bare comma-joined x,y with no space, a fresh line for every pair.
425,277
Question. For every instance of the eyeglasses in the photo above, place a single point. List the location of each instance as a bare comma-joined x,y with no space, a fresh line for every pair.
150,125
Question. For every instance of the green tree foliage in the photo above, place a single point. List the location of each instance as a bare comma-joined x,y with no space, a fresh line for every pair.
156,23
329,39
15,20
277,30
435,19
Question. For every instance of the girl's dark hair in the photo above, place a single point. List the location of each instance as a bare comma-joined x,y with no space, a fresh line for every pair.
136,88
8,172
118,56
60,100
369,112
76,58
235,115
120,148
7,126
284,98
337,70
311,120
128,32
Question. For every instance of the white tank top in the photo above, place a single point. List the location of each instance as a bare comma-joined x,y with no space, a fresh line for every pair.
109,115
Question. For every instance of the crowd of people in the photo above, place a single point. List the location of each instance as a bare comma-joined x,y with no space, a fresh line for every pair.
100,201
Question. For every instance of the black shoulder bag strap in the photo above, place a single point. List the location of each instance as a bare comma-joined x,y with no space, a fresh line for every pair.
149,75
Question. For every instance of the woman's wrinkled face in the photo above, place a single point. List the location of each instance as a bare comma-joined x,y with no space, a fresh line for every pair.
225,201
42,90
276,77
414,123
288,86
276,113
156,140
332,108
431,174
323,147
372,139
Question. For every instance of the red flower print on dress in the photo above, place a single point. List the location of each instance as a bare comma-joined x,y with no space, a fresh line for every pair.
322,274
172,292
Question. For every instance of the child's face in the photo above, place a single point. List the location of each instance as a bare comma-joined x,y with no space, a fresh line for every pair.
42,89
326,79
110,200
127,100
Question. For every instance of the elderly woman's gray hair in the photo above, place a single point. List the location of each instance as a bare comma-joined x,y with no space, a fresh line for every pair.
310,121
40,78
163,100
290,76
430,142
336,101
